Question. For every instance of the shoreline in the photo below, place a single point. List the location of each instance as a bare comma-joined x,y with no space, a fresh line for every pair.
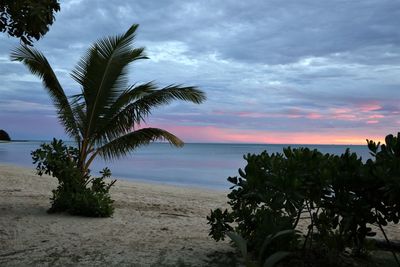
193,166
153,225
136,180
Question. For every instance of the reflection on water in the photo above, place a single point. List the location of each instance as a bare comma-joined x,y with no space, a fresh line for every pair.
202,165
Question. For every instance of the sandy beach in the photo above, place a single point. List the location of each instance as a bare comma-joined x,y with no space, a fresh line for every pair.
153,225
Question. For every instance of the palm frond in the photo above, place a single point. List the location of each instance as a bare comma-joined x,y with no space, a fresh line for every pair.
103,74
124,121
124,114
79,109
143,106
128,142
149,98
115,121
39,66
175,92
132,94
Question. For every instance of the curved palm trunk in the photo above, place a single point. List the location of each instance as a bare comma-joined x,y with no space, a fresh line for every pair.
90,160
83,157
86,149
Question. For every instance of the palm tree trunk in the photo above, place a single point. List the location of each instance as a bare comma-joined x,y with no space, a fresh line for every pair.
83,156
90,160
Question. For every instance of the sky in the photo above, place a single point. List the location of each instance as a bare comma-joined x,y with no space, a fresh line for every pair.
285,72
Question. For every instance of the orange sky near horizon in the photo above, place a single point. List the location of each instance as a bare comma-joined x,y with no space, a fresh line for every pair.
224,135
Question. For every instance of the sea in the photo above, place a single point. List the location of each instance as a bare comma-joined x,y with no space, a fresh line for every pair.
202,165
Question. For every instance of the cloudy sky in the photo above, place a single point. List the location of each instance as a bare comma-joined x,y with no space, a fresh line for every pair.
294,71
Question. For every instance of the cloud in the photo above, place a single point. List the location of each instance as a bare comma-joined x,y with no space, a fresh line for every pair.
269,66
228,135
23,106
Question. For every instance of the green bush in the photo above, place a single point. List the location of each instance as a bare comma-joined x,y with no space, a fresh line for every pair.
341,195
76,194
267,198
385,172
264,259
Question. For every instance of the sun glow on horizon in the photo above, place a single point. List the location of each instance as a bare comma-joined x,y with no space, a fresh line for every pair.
225,135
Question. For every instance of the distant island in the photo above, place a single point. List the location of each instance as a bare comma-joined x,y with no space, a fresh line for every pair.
4,136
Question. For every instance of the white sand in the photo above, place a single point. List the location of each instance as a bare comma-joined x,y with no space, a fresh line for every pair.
153,225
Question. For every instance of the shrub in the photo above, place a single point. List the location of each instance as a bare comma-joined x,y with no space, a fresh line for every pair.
264,259
385,171
268,197
75,194
346,211
341,195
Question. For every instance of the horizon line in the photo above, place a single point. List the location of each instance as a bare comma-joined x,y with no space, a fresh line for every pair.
222,143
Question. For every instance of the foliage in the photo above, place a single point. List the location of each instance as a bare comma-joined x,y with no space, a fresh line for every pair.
105,118
264,260
219,221
27,19
73,194
4,136
385,171
346,211
341,195
268,196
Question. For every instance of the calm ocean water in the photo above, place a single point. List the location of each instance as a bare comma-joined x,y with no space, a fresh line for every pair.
194,165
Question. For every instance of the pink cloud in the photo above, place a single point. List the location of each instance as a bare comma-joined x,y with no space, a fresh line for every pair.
314,116
216,134
345,117
376,116
345,114
368,107
368,112
365,113
341,110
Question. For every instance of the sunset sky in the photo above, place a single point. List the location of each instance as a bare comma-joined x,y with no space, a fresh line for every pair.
294,71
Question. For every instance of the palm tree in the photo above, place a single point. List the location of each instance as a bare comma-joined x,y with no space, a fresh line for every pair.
105,118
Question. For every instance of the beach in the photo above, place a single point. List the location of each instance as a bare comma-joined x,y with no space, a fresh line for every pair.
153,225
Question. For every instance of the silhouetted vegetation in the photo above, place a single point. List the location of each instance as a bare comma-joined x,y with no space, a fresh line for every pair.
4,136
27,19
266,258
104,118
75,194
337,197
